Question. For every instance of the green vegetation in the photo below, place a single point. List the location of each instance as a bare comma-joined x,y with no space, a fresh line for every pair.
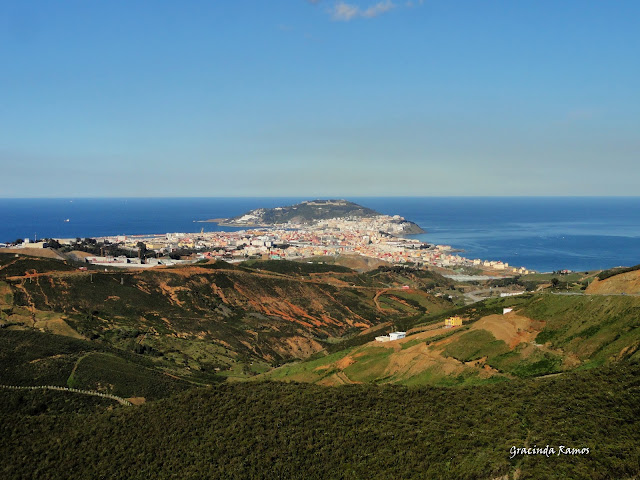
30,358
33,358
310,211
247,316
108,373
309,371
562,277
259,430
573,281
370,366
532,364
616,271
47,402
474,345
288,267
595,328
213,319
6,296
12,266
573,332
159,334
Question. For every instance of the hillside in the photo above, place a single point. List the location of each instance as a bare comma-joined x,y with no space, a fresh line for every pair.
359,263
305,212
276,430
212,318
545,334
626,282
32,358
34,252
309,212
453,404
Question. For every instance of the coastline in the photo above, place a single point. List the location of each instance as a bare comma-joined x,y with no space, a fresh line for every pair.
293,243
580,234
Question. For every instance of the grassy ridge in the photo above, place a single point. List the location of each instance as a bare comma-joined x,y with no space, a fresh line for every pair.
616,271
474,345
112,374
10,265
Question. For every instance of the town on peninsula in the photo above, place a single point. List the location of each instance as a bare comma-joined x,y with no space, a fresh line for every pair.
318,228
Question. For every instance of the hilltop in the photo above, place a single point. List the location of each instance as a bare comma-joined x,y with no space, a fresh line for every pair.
310,212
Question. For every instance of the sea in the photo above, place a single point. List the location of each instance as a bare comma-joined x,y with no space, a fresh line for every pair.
540,233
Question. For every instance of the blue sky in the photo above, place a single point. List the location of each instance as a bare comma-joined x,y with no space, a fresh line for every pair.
319,98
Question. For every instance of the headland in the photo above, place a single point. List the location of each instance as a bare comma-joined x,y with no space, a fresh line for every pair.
318,228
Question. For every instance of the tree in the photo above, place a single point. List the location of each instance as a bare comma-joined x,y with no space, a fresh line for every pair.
142,249
53,243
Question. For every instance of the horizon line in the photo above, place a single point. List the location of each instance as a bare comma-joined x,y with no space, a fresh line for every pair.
314,197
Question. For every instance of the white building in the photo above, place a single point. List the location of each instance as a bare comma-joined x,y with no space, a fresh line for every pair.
397,335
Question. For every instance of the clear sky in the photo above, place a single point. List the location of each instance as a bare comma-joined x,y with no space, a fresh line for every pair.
319,98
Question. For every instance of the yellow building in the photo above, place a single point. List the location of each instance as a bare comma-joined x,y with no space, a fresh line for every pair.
453,321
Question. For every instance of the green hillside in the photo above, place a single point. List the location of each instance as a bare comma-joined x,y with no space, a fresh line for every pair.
213,319
546,334
597,329
31,358
307,212
441,403
311,211
275,430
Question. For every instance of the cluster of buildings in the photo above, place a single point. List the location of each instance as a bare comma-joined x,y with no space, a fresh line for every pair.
391,337
394,225
27,243
124,261
366,236
374,237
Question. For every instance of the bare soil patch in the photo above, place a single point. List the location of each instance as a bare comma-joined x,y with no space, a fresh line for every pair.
628,283
513,329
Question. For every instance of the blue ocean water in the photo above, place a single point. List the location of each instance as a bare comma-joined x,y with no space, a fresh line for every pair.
541,233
